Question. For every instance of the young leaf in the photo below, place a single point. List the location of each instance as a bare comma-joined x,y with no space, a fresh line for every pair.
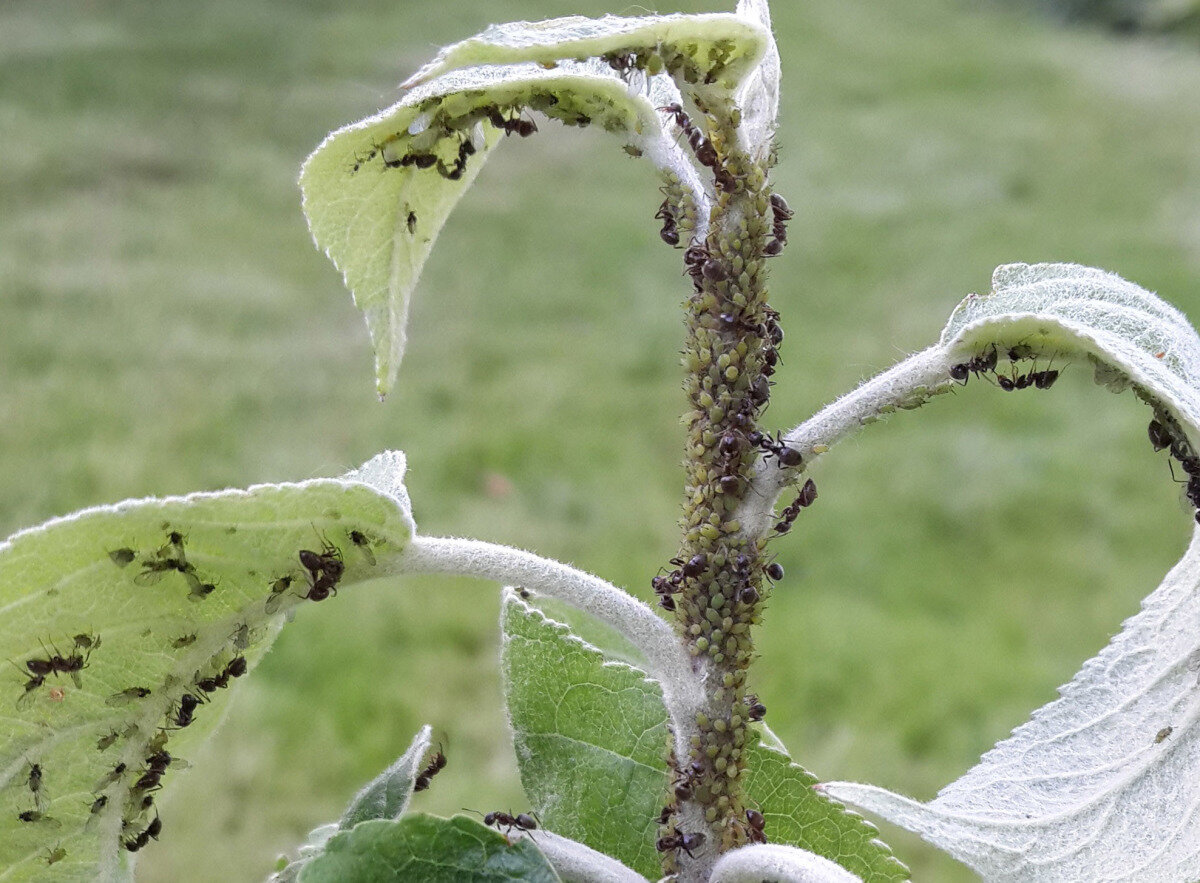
125,627
591,737
387,796
699,50
798,816
779,864
1102,783
429,849
377,192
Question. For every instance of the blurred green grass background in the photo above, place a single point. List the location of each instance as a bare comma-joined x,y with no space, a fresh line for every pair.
166,326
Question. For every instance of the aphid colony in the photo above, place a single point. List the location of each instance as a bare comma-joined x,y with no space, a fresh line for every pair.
135,784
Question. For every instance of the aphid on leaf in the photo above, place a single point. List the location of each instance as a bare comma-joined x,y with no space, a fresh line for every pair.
122,557
110,777
35,817
1163,734
184,641
364,545
55,855
124,697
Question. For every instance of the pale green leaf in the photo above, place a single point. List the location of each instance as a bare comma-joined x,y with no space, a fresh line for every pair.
429,849
698,49
151,600
377,218
1104,782
591,744
387,796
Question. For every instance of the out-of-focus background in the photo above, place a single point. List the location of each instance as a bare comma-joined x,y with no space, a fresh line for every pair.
167,326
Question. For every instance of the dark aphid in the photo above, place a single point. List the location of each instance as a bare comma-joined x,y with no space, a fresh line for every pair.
278,590
30,687
35,784
34,817
106,742
86,641
1159,437
57,854
140,841
411,222
1163,734
774,571
364,545
675,842
99,803
126,696
122,557
197,590
757,710
436,764
113,775
184,641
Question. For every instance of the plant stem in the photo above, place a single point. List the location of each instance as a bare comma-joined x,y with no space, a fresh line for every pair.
717,588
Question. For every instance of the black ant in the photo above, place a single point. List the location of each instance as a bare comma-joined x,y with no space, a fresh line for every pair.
515,124
693,567
756,823
757,710
782,214
138,842
747,594
685,780
188,703
667,812
521,821
805,498
665,587
978,365
669,232
787,458
436,764
686,842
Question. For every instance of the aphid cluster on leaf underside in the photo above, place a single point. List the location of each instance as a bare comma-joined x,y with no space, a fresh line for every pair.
171,557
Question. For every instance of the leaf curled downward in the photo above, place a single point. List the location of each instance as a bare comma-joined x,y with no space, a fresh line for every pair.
114,616
429,849
702,50
377,192
1104,782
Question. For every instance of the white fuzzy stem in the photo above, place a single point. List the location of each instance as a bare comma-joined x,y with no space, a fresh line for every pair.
904,384
576,863
666,659
780,864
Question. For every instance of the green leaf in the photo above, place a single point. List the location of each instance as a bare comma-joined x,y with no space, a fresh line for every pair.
799,816
387,796
1102,783
590,737
134,606
429,849
701,50
591,743
377,217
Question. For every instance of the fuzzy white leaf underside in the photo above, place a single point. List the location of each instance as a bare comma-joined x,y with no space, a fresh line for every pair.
1103,784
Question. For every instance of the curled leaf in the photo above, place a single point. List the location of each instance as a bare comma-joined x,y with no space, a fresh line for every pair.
1103,783
780,864
377,192
387,796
